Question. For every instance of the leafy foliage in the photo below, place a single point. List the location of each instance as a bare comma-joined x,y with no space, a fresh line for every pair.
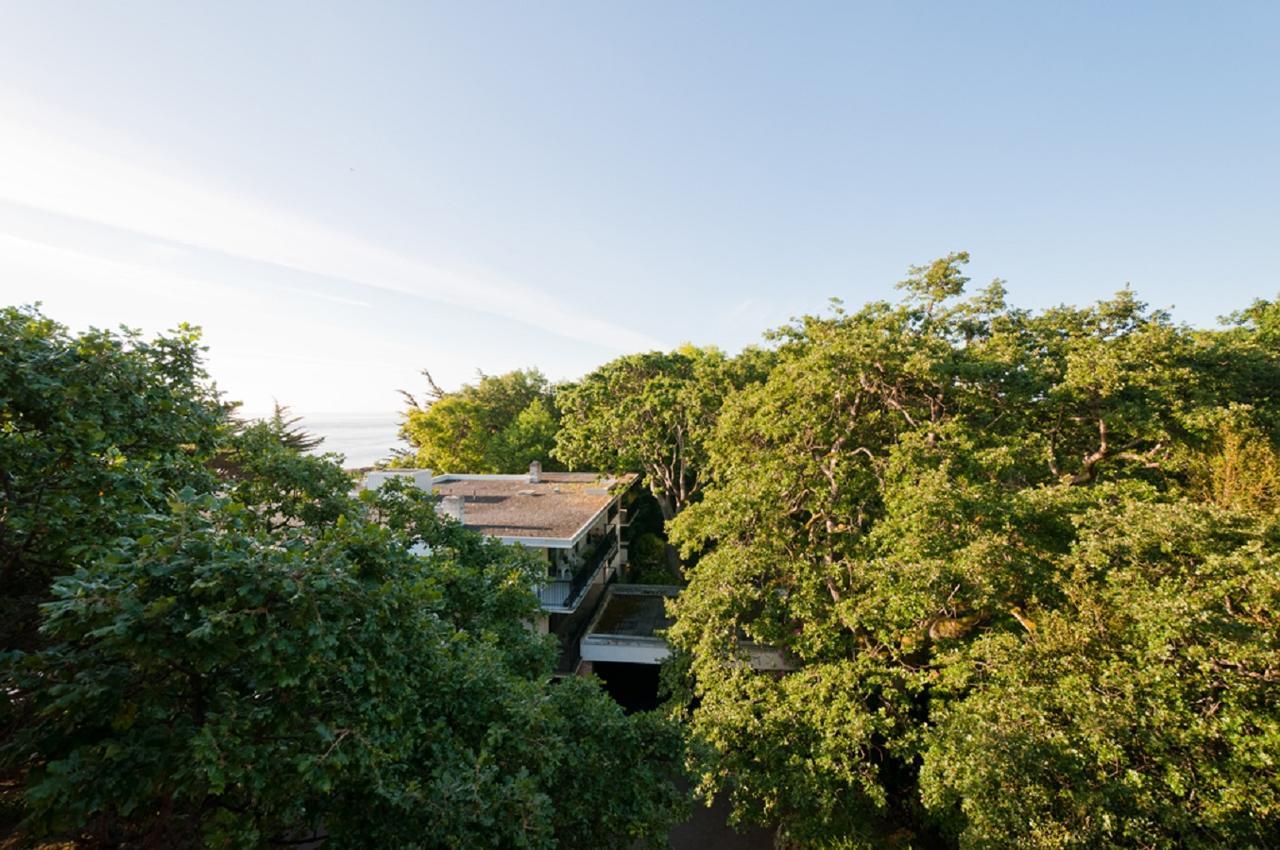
95,429
916,506
262,658
219,683
1144,713
647,557
653,413
500,424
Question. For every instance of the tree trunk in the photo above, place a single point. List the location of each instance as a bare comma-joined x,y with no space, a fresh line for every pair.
666,504
673,563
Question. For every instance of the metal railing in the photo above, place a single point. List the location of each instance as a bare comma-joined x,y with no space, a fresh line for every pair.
566,592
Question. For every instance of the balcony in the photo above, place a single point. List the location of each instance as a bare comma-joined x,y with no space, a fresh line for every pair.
562,595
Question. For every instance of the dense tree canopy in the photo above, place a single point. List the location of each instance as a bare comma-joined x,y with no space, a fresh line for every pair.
222,681
236,652
653,413
499,424
1144,712
1024,566
95,429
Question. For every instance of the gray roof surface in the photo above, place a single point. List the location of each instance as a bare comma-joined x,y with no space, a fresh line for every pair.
555,508
633,611
636,616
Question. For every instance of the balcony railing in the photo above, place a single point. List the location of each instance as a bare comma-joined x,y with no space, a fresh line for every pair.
565,593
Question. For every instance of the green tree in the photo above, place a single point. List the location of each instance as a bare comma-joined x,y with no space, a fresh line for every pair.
290,433
647,555
1146,710
904,494
246,660
95,430
226,682
499,424
653,413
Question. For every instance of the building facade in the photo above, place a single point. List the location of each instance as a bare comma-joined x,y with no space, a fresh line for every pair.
574,521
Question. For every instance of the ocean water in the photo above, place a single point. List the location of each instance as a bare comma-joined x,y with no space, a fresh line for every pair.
364,438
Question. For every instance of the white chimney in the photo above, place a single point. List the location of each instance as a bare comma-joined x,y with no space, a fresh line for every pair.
453,507
535,472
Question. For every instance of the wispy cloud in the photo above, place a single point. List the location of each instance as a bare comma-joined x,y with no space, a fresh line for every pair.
43,169
741,309
324,296
42,260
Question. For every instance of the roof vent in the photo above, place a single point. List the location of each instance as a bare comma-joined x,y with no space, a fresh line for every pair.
535,472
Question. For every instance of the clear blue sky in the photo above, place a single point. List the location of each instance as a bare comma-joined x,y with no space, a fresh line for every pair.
342,194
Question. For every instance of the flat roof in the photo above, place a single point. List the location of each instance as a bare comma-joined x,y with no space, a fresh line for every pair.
627,624
634,614
556,510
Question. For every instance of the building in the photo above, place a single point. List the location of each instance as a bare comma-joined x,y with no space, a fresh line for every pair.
573,520
627,628
576,522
